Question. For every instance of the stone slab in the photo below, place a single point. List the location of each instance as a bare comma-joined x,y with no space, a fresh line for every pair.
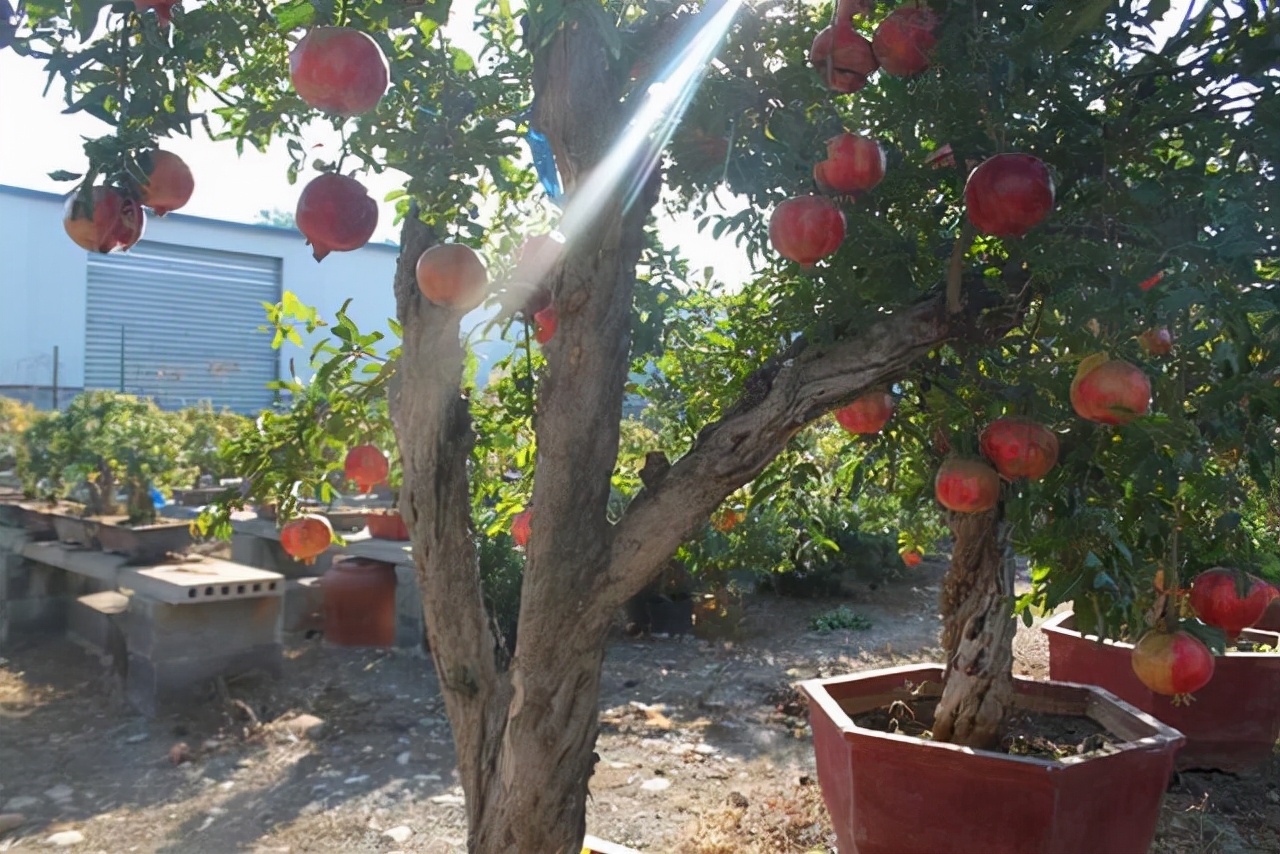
98,621
411,625
164,631
153,687
358,544
197,581
94,564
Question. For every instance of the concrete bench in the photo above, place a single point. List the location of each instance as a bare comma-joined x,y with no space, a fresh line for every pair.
177,625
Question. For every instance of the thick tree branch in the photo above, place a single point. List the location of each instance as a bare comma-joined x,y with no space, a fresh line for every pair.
801,387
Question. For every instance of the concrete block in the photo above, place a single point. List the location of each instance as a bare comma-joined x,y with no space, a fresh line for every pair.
201,580
166,632
303,605
76,559
98,621
411,625
13,539
156,686
37,616
26,579
263,552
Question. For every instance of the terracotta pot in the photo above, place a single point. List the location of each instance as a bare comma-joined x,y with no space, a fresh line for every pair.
360,603
1231,725
387,526
895,794
75,530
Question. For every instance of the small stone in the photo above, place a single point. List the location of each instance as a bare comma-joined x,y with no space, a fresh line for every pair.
657,784
427,778
65,838
10,820
304,726
705,749
179,753
136,738
1273,796
403,758
449,800
59,793
399,835
18,804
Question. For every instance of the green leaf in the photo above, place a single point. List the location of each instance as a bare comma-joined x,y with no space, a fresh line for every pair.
295,14
63,175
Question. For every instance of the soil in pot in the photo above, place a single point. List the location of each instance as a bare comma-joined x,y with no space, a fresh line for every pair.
1040,734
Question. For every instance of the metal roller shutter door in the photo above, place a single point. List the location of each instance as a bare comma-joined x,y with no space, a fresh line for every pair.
180,325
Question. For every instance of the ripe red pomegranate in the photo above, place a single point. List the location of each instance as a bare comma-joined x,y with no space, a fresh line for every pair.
367,466
1018,447
912,558
1157,342
1008,194
726,520
1110,391
966,486
904,40
546,321
164,9
307,538
115,223
1172,664
844,58
868,414
169,183
336,214
537,257
854,164
1217,601
452,275
339,70
522,526
806,229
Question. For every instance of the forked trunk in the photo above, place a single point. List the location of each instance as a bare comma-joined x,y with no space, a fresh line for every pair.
102,493
977,633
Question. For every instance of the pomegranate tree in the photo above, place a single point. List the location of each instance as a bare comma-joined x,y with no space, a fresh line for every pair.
336,214
1172,663
169,183
106,221
967,486
854,164
307,538
806,229
868,414
366,466
1019,447
1110,391
452,275
1008,195
339,70
1215,596
904,40
537,257
726,520
843,58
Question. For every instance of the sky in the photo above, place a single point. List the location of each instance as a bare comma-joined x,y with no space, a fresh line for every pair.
36,139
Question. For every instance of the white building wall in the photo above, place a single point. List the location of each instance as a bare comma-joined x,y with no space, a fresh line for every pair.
43,282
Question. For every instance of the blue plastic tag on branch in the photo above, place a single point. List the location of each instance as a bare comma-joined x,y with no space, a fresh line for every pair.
157,497
544,160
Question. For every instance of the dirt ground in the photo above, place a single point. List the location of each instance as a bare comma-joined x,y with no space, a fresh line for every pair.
704,748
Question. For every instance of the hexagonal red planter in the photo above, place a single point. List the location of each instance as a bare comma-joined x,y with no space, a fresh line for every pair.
894,794
1231,725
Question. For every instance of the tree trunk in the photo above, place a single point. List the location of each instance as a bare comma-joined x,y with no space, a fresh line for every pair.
977,633
102,493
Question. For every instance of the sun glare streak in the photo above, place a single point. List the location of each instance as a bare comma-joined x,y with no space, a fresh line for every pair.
636,153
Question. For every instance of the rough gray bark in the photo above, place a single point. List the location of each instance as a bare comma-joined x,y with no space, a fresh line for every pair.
525,732
977,633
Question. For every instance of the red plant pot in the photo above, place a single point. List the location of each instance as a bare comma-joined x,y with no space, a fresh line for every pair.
894,794
360,603
1231,725
387,526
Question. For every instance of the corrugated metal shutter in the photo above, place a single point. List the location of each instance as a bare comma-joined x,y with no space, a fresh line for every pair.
183,324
